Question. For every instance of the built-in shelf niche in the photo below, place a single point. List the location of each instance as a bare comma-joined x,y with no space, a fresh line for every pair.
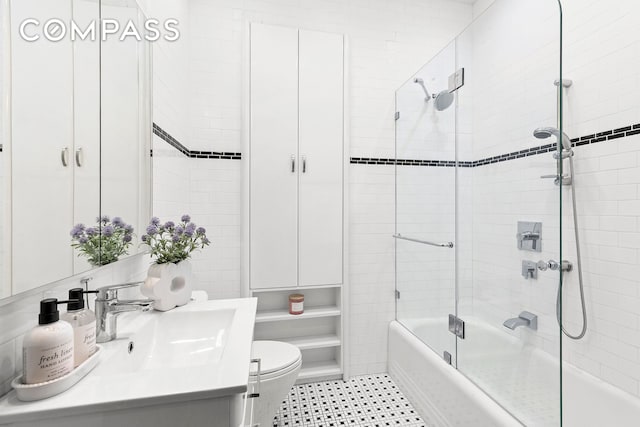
317,332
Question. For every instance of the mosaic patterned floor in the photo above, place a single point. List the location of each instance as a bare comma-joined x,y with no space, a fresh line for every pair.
371,401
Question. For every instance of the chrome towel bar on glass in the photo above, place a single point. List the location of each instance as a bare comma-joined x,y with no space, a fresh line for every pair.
441,245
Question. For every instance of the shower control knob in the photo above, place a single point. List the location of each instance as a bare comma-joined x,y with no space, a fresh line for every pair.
555,265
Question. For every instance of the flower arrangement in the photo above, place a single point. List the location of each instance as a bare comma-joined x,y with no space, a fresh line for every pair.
172,243
104,243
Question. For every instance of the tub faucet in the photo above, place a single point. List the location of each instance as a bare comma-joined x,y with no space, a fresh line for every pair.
108,307
525,318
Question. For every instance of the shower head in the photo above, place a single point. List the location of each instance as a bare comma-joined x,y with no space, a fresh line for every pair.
546,132
443,100
419,81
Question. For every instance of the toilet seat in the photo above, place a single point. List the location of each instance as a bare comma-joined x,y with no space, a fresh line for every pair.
276,358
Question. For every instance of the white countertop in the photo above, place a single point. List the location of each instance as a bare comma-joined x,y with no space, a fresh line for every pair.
122,380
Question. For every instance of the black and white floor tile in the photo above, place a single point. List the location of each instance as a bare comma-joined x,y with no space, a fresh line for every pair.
371,401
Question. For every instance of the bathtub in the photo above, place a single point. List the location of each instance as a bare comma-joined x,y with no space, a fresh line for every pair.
522,378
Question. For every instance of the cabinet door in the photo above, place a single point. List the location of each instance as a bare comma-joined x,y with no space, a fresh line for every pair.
321,155
86,124
273,166
42,127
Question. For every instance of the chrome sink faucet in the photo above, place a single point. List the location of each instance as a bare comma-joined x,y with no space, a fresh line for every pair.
108,307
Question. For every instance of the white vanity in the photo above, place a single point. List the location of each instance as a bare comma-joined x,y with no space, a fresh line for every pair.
185,367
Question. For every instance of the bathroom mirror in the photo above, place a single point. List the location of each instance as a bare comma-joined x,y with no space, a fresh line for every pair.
126,126
75,134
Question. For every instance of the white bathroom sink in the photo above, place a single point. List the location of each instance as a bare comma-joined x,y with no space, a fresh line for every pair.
173,340
198,351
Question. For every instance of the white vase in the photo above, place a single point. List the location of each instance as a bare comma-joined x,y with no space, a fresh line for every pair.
168,285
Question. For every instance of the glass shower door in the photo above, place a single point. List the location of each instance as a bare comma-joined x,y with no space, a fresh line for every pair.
425,203
509,218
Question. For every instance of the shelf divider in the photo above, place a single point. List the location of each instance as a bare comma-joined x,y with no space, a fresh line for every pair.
309,313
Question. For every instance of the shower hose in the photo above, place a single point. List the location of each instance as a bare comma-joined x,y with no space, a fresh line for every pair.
579,263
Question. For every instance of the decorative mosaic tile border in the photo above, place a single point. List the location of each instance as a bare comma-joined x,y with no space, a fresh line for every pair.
193,154
533,151
607,135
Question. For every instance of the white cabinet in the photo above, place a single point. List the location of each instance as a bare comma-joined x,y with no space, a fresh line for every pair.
273,157
296,158
54,143
294,217
320,196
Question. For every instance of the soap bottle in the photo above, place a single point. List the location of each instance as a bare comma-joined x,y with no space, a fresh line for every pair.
83,322
47,349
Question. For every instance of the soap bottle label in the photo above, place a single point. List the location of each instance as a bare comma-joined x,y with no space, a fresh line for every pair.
46,364
85,342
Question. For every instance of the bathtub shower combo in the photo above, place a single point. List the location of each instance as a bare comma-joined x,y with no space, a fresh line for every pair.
487,234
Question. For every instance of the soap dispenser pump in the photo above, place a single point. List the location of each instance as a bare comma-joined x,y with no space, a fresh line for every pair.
83,322
47,349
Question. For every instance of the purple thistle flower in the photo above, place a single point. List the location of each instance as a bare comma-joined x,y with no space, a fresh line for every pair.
188,232
144,238
108,231
91,231
169,224
175,238
117,221
126,238
185,218
191,227
128,229
205,241
77,231
201,231
83,240
155,221
179,230
103,218
151,230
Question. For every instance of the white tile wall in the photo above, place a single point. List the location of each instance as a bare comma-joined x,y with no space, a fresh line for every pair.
371,270
215,204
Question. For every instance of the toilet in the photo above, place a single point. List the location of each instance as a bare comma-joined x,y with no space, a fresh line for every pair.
279,367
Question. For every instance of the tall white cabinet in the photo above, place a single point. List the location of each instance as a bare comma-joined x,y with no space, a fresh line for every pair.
295,201
55,142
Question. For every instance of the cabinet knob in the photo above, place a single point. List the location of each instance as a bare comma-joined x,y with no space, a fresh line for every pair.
293,164
304,164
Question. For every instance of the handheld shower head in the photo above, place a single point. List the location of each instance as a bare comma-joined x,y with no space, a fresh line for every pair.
546,132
